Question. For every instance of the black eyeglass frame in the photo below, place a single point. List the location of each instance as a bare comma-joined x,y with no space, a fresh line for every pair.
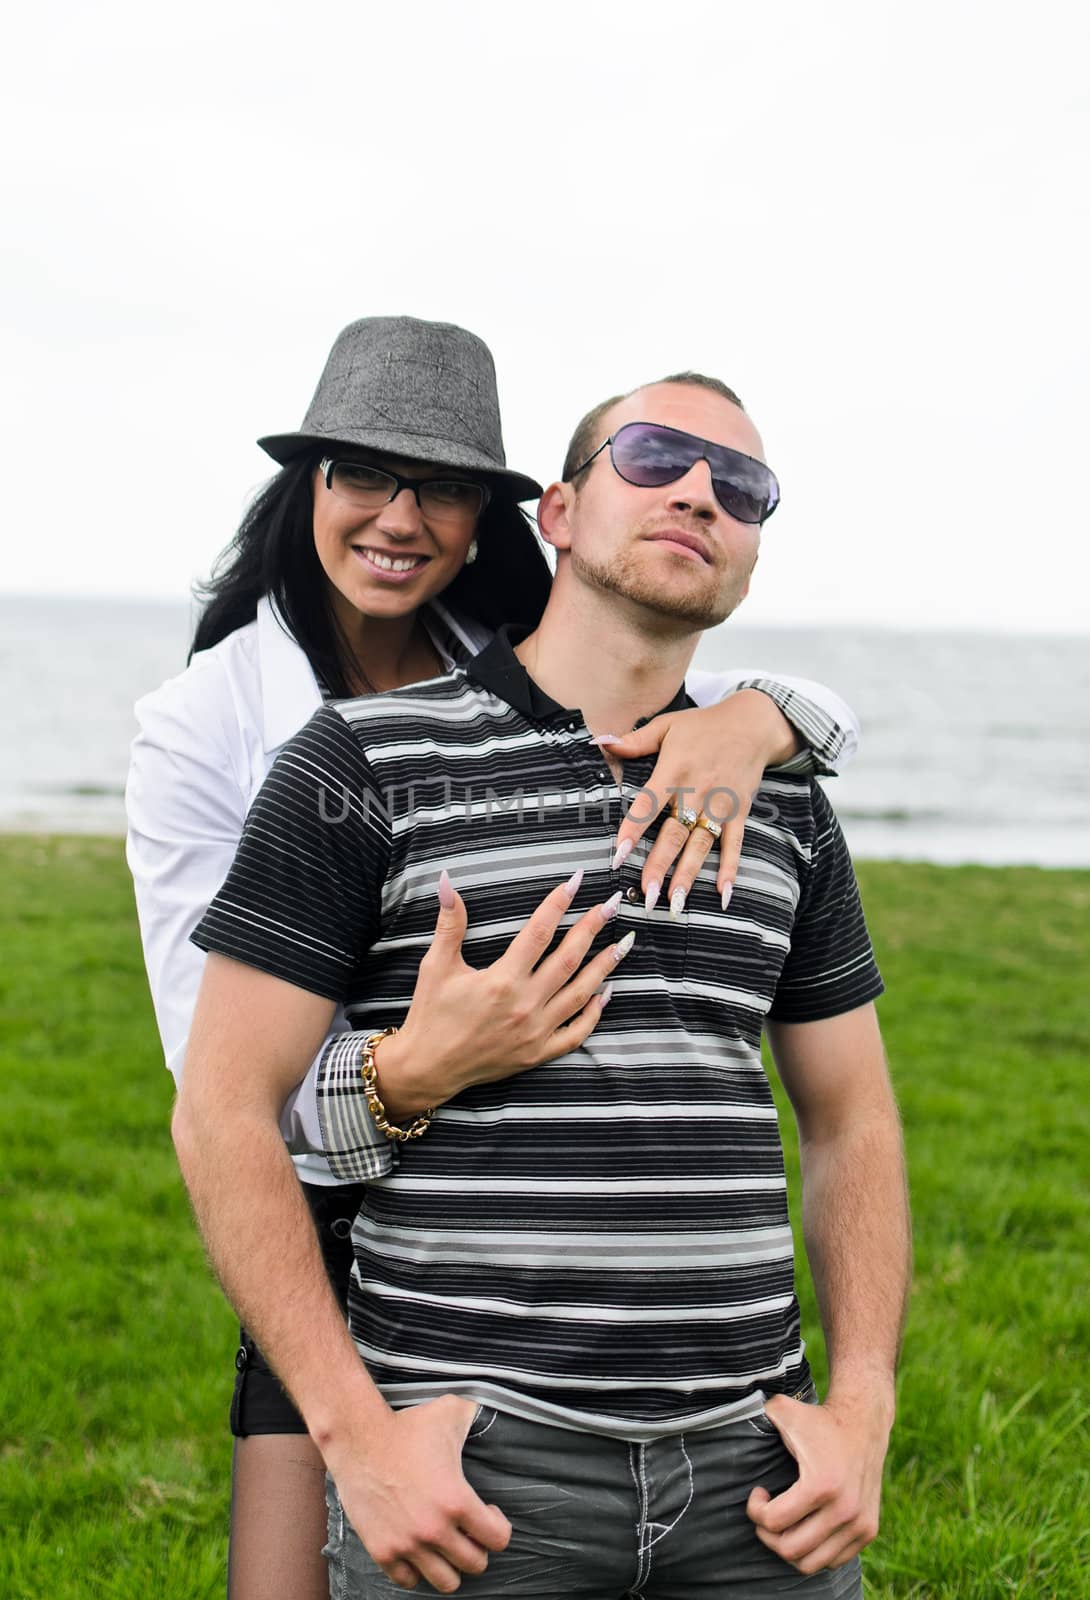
707,444
328,466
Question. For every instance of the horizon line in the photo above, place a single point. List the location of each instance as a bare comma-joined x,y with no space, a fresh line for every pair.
826,623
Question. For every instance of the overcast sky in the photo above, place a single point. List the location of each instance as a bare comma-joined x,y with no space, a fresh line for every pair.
869,218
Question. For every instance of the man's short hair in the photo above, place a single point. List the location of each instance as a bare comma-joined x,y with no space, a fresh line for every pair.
585,440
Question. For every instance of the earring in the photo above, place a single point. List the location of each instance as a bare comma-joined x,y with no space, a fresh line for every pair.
471,553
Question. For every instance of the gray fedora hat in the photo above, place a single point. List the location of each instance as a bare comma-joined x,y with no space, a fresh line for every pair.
425,390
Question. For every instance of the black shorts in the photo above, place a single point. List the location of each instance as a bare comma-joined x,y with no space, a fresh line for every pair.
260,1403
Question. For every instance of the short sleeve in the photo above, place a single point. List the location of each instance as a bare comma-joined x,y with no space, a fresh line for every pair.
830,967
303,897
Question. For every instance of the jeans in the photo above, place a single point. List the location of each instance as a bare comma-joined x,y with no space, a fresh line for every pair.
599,1519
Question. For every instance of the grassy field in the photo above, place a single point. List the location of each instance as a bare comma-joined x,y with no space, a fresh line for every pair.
116,1346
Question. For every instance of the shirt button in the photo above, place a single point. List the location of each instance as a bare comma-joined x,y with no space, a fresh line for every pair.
632,894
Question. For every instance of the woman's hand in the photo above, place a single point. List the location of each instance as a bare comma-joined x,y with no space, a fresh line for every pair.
468,1026
712,759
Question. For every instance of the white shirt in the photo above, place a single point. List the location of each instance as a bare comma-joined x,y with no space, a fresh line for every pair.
206,742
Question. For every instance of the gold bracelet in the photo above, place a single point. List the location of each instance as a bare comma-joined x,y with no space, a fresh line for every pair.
369,1074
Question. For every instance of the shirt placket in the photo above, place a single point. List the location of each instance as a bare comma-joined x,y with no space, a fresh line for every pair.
593,773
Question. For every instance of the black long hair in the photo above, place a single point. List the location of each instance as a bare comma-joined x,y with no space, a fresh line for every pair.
273,553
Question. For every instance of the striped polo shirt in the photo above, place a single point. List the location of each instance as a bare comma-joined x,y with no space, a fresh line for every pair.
602,1242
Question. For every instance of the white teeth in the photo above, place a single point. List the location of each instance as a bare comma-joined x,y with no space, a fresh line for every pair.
392,563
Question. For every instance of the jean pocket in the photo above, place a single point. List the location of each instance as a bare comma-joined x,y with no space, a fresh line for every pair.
483,1418
763,1425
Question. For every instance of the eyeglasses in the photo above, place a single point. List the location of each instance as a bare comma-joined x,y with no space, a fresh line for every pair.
442,499
648,454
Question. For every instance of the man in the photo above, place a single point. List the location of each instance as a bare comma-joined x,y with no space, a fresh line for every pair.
575,1291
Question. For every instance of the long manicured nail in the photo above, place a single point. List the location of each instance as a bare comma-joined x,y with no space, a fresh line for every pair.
609,908
605,996
571,888
606,738
677,903
623,946
621,854
651,898
445,890
727,892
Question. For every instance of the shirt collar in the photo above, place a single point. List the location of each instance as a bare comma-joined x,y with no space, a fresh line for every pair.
499,670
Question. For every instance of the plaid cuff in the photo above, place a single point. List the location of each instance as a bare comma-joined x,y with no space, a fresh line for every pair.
351,1143
823,737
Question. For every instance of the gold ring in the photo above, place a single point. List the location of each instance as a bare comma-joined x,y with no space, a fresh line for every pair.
684,814
714,828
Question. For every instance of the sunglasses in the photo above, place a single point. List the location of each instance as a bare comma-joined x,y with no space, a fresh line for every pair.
648,455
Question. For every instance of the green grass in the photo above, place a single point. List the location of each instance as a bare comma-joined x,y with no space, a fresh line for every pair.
116,1347
987,1023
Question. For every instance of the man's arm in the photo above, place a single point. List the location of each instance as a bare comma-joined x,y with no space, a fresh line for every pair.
855,1220
399,1473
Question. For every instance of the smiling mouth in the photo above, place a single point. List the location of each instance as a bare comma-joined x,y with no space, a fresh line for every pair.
383,561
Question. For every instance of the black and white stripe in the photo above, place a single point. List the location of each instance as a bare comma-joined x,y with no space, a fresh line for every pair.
602,1242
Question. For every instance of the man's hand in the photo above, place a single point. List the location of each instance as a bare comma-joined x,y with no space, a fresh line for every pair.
831,1511
855,1217
406,1495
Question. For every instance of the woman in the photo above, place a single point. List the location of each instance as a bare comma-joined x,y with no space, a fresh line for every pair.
394,491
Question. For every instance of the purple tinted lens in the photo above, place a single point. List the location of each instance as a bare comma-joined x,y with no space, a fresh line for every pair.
649,455
745,488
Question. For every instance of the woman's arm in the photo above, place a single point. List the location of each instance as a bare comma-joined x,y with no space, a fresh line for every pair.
190,783
314,1119
186,802
465,1025
186,798
826,725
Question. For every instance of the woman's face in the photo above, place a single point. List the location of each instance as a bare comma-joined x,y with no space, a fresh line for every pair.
386,560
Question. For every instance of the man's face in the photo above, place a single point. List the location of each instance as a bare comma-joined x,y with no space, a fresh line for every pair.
672,550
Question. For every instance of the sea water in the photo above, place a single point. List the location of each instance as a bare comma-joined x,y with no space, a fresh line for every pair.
976,747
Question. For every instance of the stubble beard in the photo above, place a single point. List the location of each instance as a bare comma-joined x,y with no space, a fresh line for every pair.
702,607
